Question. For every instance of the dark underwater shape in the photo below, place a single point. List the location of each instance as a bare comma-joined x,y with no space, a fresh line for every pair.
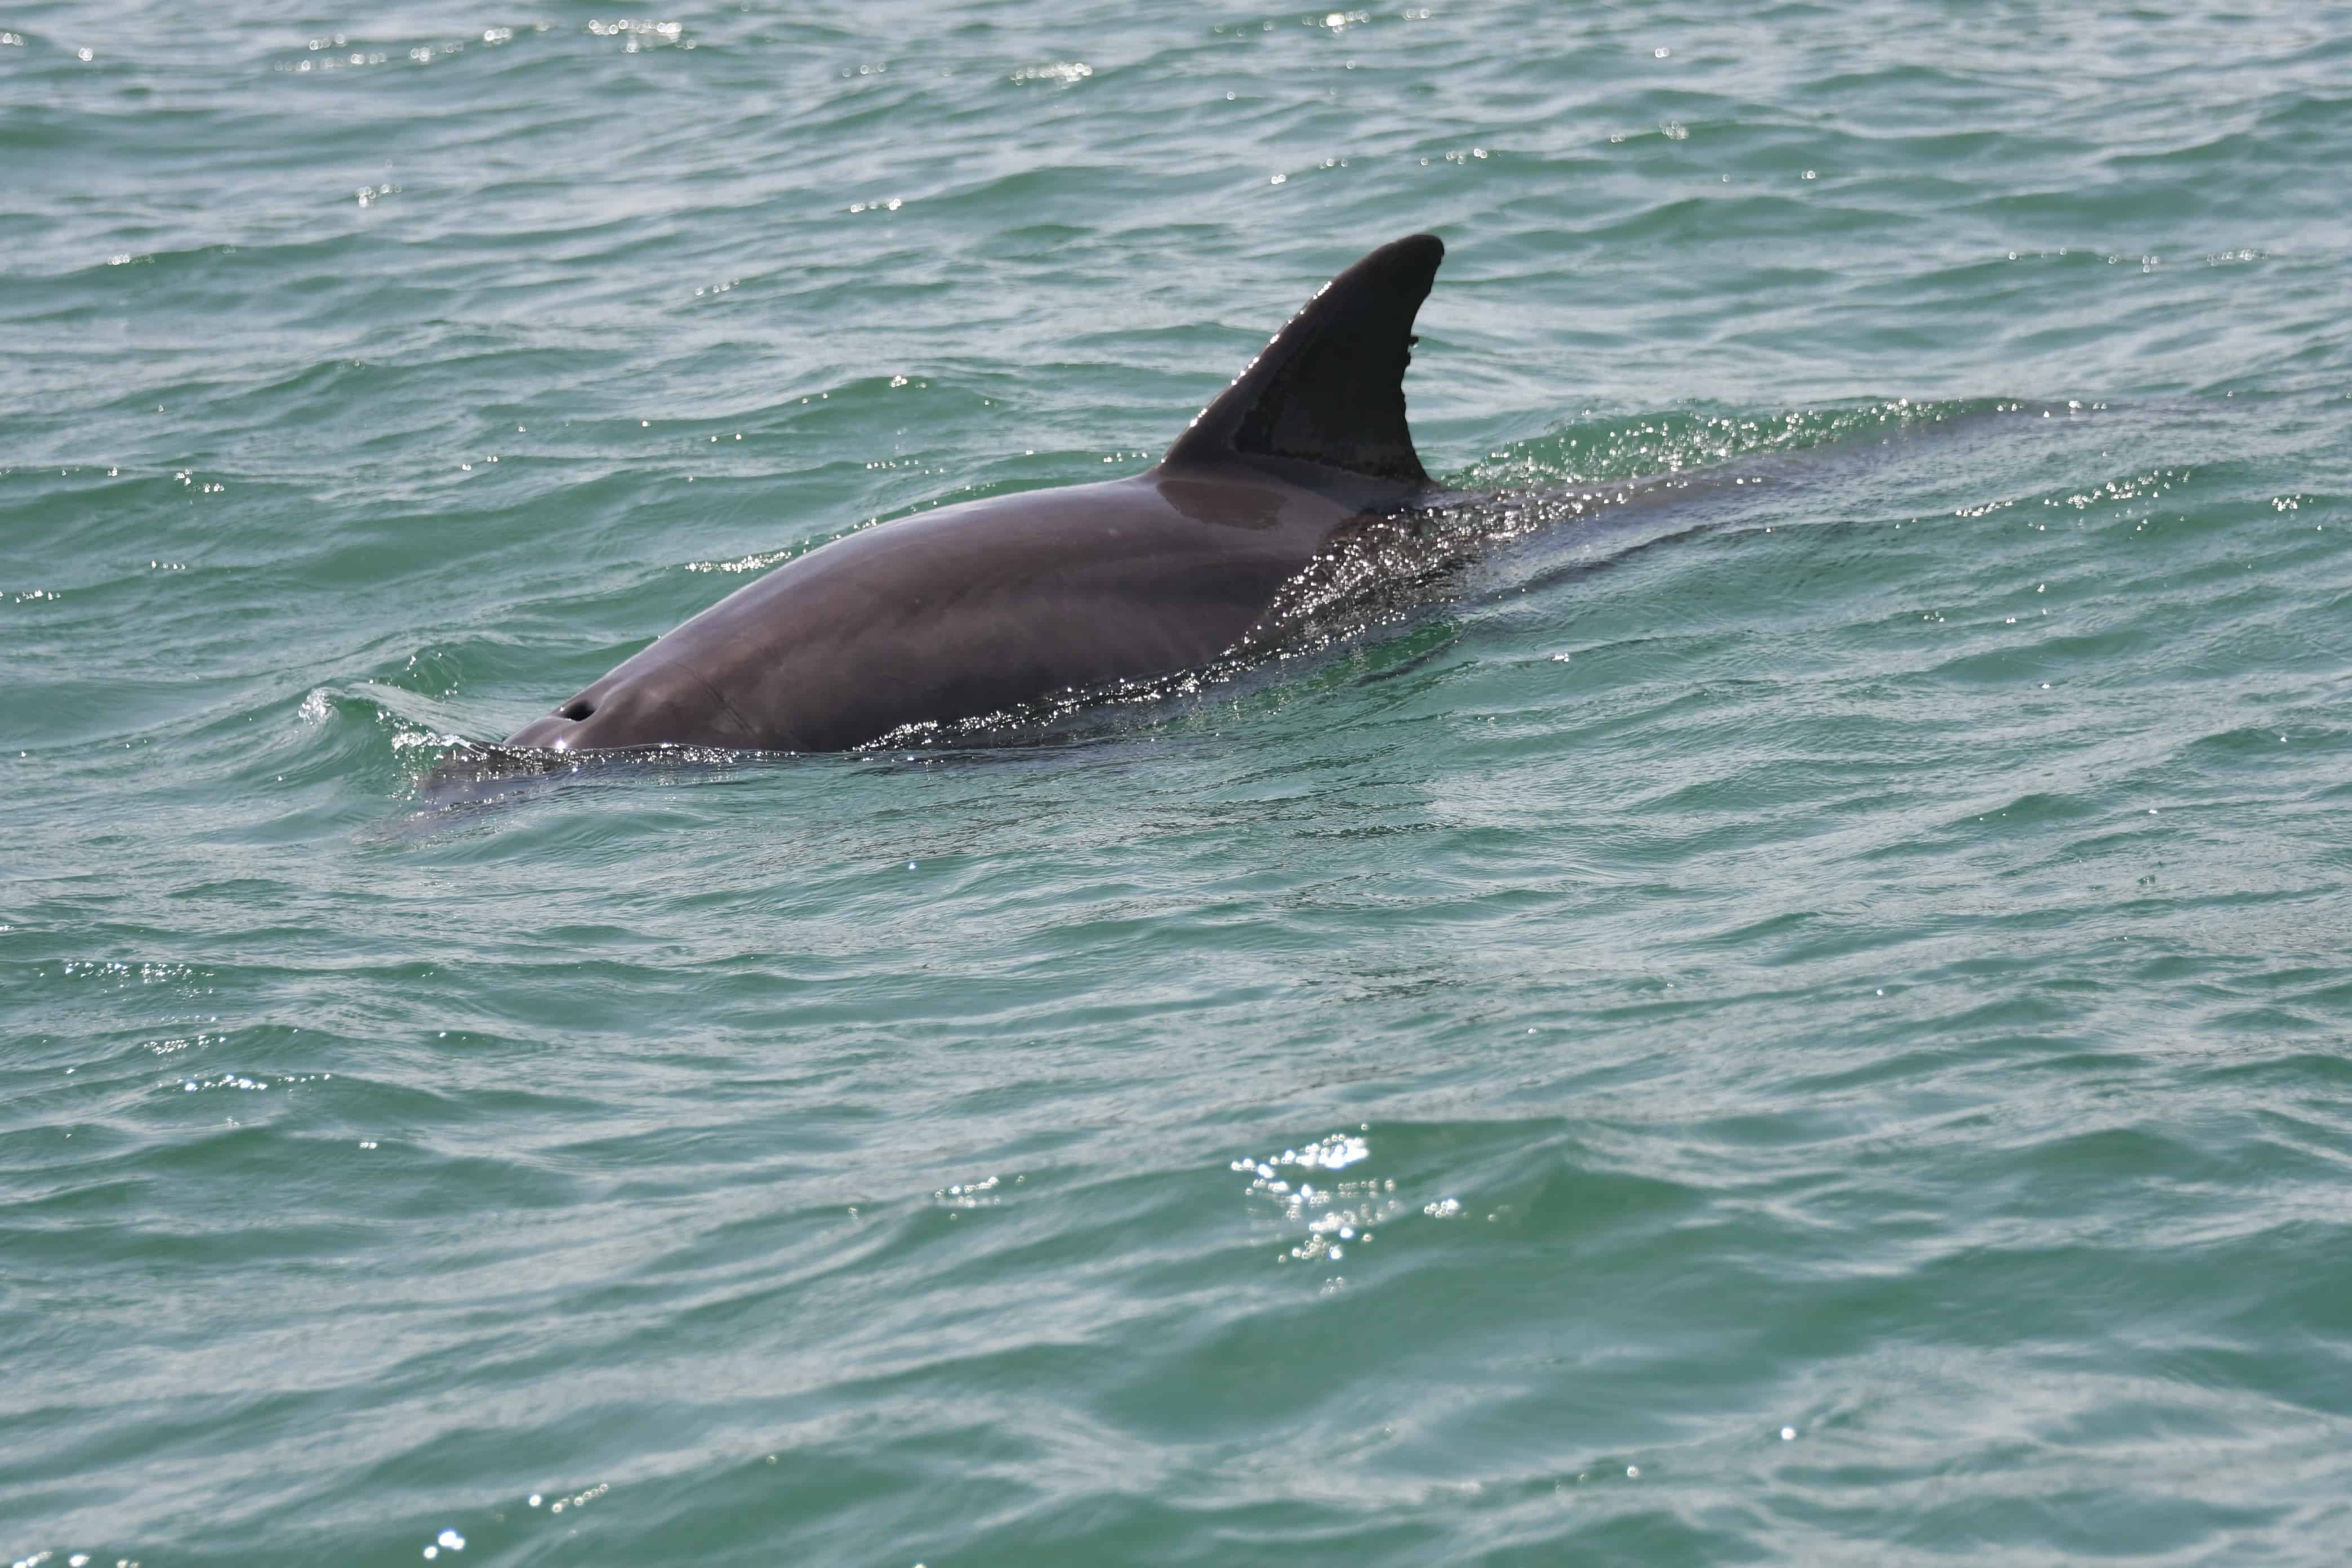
983,607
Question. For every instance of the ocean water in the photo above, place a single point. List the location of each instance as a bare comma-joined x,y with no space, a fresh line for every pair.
1800,1022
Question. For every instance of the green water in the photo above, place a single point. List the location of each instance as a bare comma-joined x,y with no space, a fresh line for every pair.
1801,1022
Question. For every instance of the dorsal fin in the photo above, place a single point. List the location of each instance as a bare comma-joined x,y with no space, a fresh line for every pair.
1329,388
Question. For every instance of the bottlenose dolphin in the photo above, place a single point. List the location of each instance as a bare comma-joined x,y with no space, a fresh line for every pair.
987,606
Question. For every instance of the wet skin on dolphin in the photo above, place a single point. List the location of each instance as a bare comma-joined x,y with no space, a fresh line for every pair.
990,604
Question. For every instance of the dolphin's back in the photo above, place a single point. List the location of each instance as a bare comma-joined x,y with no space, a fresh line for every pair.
979,607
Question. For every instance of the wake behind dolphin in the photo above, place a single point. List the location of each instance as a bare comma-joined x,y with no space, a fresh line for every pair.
990,605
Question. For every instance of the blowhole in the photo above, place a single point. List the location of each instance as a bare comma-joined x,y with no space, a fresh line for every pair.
577,708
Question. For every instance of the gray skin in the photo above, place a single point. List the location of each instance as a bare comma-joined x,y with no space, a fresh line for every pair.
988,605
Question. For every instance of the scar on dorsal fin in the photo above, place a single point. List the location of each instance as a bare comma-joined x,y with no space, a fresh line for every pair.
1329,388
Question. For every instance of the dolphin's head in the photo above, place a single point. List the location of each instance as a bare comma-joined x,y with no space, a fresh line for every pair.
641,703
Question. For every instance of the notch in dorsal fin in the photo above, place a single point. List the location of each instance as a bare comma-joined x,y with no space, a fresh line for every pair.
1329,388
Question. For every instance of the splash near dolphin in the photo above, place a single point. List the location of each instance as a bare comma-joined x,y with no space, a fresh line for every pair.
987,606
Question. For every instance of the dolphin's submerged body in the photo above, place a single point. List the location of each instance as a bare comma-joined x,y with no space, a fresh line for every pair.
989,606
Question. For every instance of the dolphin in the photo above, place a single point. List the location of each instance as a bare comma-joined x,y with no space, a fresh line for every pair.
988,605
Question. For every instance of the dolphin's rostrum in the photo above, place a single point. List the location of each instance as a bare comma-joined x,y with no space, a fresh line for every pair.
990,604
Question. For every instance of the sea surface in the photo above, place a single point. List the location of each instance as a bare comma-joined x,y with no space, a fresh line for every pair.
1806,1020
